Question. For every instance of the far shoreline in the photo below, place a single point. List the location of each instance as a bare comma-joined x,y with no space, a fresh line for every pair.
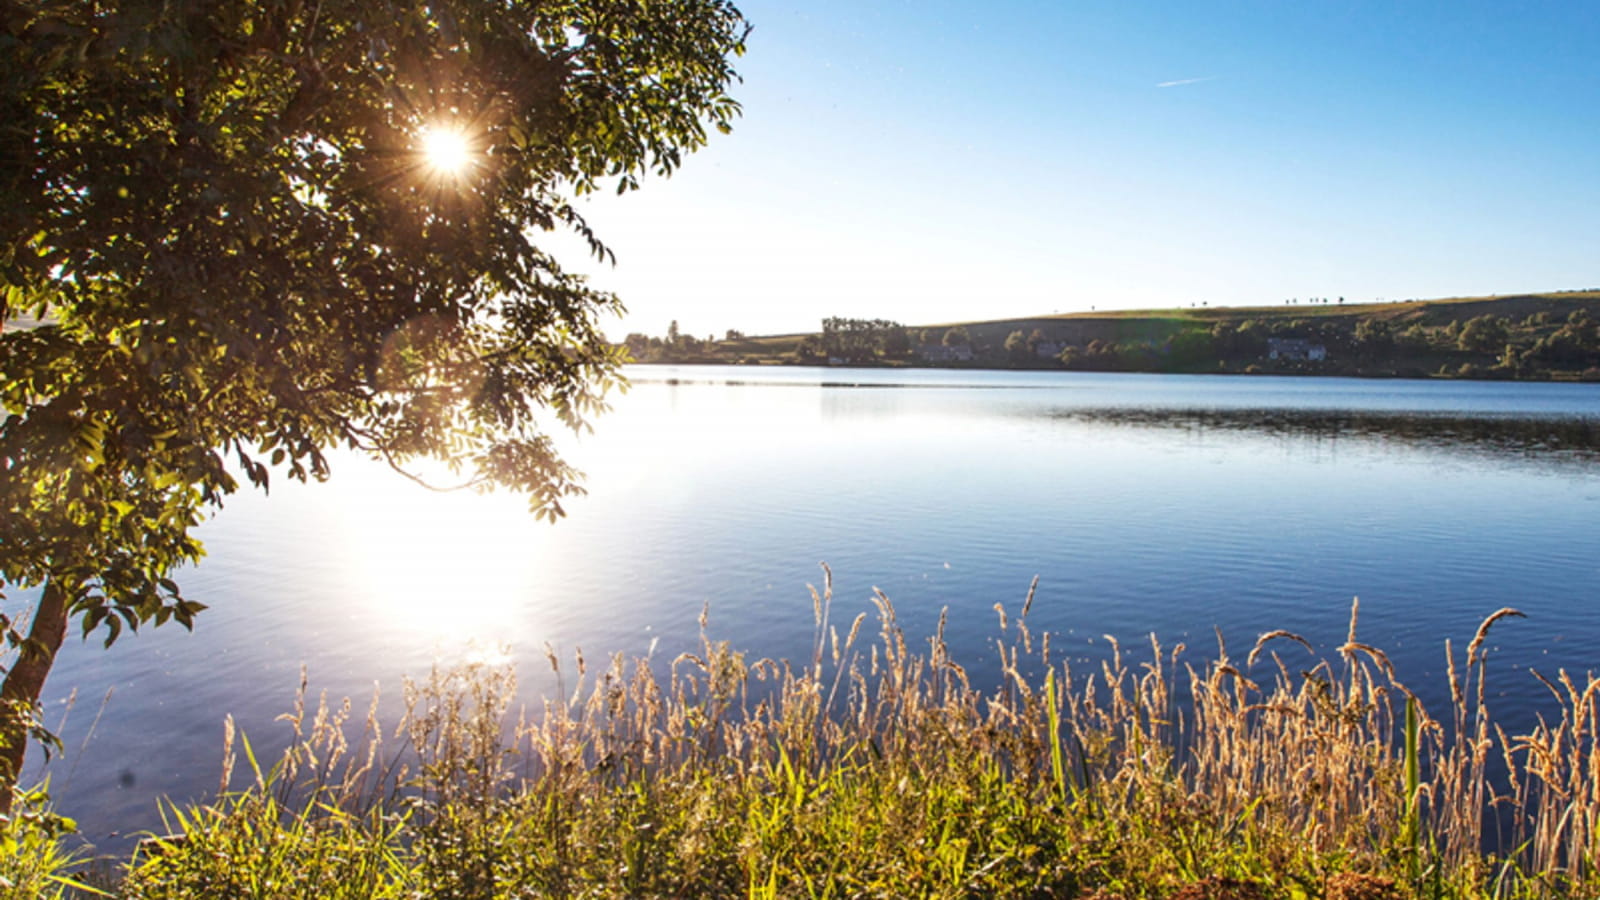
1528,337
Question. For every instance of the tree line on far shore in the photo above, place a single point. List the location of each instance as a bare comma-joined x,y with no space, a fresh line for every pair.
1546,343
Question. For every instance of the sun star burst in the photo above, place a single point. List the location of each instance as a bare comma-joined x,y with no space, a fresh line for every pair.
446,151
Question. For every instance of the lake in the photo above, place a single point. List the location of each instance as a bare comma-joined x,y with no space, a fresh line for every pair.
1143,503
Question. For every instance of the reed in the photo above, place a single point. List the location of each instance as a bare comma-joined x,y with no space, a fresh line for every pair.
876,769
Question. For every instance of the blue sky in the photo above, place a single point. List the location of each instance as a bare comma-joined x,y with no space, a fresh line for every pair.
938,161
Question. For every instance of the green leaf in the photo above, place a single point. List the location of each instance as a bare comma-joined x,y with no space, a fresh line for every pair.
238,253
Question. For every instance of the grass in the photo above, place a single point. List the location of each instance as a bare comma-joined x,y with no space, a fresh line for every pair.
1462,307
1414,338
1118,324
34,863
877,769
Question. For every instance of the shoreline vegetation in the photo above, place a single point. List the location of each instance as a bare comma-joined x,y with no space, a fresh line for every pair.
877,768
1547,336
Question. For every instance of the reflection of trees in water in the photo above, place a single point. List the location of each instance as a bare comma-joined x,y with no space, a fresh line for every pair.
1550,439
1554,438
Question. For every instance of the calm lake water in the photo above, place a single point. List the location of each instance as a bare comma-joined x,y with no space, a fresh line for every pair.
1165,504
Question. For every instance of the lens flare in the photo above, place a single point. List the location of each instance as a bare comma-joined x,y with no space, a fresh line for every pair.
447,151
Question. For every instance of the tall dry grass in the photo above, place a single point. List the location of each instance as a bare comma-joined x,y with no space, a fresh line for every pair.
877,768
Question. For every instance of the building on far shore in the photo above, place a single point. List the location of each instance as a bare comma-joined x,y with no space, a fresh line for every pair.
1296,349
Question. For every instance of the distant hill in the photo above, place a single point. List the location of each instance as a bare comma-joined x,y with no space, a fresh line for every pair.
1528,336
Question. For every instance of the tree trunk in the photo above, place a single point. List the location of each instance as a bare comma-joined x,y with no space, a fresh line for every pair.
24,683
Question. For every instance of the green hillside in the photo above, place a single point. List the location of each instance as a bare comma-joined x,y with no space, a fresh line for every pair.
1523,336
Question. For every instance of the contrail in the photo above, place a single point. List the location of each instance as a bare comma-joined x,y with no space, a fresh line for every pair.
1183,81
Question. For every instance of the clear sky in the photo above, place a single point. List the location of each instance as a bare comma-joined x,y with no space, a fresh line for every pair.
934,161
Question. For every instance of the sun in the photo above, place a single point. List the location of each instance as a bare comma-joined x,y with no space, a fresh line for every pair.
446,151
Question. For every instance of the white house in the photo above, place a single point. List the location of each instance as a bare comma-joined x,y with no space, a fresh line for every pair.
1296,349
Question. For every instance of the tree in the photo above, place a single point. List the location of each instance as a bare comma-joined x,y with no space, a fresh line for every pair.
1414,339
956,336
897,343
809,349
1224,338
261,230
1374,336
638,346
1484,334
1191,348
861,340
1016,346
1572,346
1099,355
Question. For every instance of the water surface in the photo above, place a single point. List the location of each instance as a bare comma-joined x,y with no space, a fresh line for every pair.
1168,504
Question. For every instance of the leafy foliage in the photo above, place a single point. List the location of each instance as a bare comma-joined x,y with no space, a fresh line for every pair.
863,340
34,863
243,252
1483,334
956,336
243,256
